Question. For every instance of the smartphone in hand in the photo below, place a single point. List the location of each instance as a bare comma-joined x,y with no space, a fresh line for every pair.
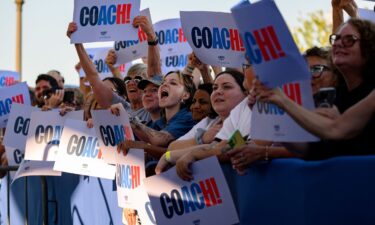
325,97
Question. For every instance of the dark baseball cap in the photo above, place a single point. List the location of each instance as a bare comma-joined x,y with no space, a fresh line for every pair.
157,80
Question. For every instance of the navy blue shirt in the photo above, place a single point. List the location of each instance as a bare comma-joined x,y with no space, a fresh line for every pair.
178,125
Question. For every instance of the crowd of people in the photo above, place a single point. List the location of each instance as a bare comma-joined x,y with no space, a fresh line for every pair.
184,116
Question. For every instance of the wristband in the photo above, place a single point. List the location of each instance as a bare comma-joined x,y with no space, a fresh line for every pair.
168,156
153,42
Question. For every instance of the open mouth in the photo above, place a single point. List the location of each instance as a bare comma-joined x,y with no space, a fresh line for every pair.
164,94
132,90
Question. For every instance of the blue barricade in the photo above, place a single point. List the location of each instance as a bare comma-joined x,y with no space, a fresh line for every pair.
285,191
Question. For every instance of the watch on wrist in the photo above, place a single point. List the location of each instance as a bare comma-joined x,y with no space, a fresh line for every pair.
153,42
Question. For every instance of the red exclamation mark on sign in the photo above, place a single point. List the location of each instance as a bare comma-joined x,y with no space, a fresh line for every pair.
142,36
123,13
293,91
216,190
275,40
21,99
135,176
128,9
297,89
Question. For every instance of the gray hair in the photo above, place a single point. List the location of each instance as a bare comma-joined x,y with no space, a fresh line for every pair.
139,69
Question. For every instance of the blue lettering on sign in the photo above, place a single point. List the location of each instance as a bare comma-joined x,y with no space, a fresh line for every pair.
112,135
18,156
101,66
176,61
83,146
21,125
5,106
128,176
197,196
217,38
170,36
124,44
119,14
263,45
269,109
6,81
48,134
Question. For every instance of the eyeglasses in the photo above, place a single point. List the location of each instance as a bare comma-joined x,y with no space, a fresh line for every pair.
245,67
346,40
317,70
136,79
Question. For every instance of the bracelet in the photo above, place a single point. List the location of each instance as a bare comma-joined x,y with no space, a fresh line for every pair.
266,158
153,42
168,156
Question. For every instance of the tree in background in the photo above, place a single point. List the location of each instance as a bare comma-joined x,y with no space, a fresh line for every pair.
313,30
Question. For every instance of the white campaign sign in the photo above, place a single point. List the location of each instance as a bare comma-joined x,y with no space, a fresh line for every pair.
111,130
35,168
8,78
130,172
79,152
173,44
269,44
100,21
214,38
14,155
18,126
98,56
18,93
174,62
44,135
367,14
129,50
271,123
204,200
143,206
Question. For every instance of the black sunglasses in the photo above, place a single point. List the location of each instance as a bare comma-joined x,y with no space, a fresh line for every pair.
136,79
317,70
346,40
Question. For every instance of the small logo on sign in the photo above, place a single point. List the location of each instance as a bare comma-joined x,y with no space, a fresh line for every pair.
276,127
134,52
221,57
170,49
197,222
27,168
84,166
103,33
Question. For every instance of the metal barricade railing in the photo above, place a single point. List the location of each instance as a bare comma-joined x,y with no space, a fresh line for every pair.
44,196
7,169
44,190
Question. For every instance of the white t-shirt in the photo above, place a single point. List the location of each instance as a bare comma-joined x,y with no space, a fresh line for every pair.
239,119
203,124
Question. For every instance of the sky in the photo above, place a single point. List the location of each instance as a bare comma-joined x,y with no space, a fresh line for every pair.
46,47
